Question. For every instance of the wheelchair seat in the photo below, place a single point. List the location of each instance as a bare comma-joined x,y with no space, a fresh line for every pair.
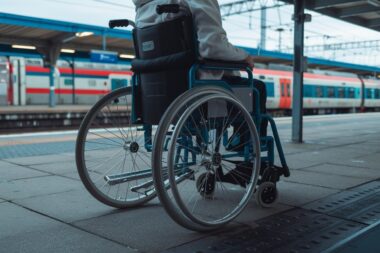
164,54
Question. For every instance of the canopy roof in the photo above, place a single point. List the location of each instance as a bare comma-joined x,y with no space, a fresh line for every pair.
38,32
365,13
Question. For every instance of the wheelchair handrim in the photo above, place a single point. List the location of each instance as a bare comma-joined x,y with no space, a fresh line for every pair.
253,180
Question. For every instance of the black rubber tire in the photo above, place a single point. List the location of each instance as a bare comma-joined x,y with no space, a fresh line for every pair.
169,204
80,157
266,194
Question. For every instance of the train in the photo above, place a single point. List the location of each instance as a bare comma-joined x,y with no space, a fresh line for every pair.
25,81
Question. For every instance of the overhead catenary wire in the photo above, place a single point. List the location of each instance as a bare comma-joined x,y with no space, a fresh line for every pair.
244,28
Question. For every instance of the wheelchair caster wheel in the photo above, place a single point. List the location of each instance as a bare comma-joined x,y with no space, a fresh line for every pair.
206,184
266,194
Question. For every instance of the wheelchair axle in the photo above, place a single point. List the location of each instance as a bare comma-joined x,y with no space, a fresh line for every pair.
133,147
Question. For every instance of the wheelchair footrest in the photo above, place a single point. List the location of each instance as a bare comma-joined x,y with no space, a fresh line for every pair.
273,173
242,174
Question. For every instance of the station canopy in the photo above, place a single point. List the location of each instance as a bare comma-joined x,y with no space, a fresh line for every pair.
43,33
365,13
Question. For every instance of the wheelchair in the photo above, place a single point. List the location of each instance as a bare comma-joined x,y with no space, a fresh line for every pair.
193,143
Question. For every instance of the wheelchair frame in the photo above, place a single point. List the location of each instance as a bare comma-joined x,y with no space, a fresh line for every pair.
269,174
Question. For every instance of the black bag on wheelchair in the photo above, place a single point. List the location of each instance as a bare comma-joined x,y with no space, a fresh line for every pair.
164,54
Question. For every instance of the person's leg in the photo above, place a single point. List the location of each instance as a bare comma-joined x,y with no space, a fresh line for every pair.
260,86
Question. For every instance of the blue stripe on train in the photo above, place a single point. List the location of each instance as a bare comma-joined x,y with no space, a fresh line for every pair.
318,91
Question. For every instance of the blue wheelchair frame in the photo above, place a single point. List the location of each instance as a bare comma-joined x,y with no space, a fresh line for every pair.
267,143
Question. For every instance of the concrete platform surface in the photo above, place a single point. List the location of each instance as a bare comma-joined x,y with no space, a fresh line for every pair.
44,206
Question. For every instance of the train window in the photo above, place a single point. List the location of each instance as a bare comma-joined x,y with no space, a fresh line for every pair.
262,77
307,91
68,81
368,93
288,89
88,65
377,93
3,74
330,92
282,90
63,64
118,83
319,91
33,62
341,92
270,89
351,92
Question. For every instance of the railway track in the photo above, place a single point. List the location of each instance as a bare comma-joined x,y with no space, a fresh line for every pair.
27,121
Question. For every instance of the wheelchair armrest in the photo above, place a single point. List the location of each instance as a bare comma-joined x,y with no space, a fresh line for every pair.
237,65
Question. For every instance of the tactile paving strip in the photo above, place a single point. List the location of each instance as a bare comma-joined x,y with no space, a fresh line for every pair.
308,231
361,204
366,210
294,231
300,230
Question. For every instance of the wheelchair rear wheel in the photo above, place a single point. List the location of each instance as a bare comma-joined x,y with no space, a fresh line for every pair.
113,155
205,184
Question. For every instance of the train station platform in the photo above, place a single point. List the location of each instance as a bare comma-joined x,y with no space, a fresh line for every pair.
333,194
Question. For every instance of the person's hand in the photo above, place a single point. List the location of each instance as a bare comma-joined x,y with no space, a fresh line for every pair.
250,61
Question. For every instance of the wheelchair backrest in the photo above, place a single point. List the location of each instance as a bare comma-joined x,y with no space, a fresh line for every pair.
164,54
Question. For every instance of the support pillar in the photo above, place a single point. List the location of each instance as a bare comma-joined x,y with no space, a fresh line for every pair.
298,65
72,65
51,86
263,27
51,55
104,42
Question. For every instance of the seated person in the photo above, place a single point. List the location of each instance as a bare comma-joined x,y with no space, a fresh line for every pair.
212,38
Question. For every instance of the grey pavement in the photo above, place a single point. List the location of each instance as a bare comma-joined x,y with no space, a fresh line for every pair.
45,208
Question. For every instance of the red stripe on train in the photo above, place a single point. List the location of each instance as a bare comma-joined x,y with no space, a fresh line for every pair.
37,69
66,91
94,72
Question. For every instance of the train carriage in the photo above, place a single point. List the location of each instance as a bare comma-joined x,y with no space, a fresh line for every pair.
24,81
29,84
321,91
372,94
